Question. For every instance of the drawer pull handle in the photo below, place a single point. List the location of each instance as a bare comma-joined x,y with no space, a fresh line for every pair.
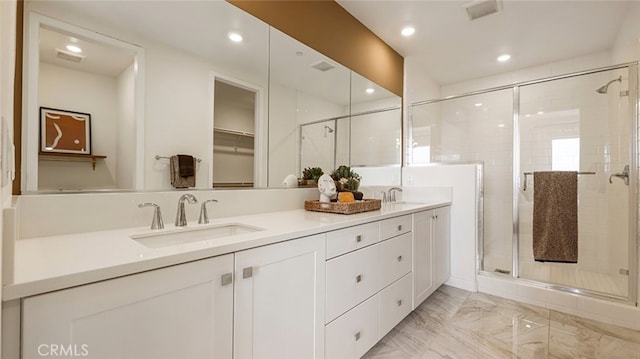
359,278
227,278
399,258
357,336
399,227
358,238
247,272
399,302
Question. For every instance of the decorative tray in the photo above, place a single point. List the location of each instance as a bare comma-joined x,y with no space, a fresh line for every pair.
365,205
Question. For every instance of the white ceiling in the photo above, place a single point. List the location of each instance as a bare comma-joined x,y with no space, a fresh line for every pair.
453,49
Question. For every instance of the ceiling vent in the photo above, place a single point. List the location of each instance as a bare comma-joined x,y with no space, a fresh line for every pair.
481,8
69,56
322,66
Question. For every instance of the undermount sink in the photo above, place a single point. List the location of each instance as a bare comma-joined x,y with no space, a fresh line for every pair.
184,235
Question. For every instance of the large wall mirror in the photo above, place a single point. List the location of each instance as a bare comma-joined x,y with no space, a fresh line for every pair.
251,111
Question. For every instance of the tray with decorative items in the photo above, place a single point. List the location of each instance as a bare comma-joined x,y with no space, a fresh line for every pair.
364,205
343,183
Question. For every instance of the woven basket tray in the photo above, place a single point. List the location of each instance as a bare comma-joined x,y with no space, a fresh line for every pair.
343,208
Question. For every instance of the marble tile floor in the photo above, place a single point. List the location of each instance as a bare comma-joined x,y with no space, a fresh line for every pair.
454,323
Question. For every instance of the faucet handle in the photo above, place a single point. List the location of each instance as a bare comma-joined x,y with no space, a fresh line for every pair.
204,217
156,222
384,196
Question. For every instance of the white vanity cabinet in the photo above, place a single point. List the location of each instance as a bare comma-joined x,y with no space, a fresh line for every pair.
265,302
184,311
368,287
431,252
279,300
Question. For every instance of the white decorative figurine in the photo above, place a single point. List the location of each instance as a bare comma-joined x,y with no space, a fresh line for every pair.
327,188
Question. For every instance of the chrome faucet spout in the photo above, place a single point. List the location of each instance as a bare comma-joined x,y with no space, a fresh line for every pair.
392,193
181,217
204,216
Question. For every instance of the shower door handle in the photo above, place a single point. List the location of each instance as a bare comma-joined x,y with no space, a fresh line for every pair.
624,175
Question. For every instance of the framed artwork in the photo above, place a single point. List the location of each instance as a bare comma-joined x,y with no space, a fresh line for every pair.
64,131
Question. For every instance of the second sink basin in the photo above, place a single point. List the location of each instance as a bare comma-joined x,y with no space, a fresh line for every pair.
188,235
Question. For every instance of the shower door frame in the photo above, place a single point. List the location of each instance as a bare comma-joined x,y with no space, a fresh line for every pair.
633,112
632,281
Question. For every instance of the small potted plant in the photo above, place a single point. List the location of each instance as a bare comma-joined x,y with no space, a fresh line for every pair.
347,180
310,175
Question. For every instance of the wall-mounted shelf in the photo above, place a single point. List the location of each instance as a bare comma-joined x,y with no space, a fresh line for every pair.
54,156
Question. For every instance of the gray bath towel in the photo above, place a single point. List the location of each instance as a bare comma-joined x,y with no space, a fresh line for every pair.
555,216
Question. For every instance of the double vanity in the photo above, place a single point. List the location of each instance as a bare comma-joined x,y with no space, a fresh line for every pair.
286,284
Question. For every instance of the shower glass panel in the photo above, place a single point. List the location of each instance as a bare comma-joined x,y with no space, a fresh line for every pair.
318,145
376,139
579,124
475,128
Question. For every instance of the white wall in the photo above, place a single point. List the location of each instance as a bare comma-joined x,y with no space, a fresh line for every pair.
7,66
125,131
464,213
65,89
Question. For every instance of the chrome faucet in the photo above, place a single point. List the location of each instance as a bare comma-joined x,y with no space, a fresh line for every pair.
204,217
392,193
156,222
181,217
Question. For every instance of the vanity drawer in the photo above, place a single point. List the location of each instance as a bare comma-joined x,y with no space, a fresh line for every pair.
395,258
395,303
351,278
350,239
354,333
395,226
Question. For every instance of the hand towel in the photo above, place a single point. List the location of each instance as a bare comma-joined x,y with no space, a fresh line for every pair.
186,166
555,216
178,181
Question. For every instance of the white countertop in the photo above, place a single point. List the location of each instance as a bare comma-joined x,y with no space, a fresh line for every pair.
51,263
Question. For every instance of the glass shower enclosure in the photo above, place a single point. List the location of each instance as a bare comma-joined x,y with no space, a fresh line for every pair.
582,122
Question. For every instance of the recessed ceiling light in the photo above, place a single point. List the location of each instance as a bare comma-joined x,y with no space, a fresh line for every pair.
408,31
74,49
504,58
478,104
370,90
235,37
501,125
540,112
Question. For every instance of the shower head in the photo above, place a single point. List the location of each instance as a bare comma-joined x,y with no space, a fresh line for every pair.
329,129
604,88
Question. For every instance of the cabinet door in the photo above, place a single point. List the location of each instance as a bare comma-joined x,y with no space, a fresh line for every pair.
184,311
422,256
442,246
279,300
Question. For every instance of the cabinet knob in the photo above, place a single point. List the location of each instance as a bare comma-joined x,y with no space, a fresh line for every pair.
357,336
359,278
247,272
227,278
399,227
399,258
359,238
399,302
436,216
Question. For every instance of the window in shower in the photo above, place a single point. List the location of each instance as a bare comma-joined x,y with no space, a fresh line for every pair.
565,154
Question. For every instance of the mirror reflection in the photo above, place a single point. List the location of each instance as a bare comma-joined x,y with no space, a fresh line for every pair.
190,89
